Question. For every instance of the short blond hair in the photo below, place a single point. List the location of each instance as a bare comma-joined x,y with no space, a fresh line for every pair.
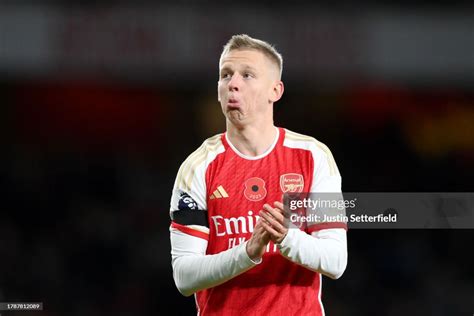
243,41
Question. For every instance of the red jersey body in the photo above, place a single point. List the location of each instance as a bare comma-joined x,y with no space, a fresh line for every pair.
233,191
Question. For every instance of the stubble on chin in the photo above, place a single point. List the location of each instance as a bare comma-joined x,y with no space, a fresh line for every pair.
235,116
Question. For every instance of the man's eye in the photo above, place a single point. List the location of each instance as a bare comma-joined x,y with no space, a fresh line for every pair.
225,76
248,75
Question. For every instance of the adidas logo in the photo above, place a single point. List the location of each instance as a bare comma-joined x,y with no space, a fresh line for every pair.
219,193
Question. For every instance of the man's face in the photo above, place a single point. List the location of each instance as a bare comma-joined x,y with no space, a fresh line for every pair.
246,87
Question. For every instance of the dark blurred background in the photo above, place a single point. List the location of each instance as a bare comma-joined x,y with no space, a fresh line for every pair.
102,101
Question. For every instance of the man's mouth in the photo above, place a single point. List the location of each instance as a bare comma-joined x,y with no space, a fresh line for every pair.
233,104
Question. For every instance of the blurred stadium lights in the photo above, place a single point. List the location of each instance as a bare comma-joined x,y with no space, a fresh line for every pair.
146,42
89,115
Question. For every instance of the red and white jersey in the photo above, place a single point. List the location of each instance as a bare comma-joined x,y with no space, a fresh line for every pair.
218,193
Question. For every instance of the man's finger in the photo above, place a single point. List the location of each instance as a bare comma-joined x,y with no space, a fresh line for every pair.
273,233
269,220
275,213
279,205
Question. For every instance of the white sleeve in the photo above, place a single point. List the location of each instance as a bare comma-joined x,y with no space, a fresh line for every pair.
324,251
326,176
194,271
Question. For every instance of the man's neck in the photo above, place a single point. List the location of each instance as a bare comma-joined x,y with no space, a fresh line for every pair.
252,141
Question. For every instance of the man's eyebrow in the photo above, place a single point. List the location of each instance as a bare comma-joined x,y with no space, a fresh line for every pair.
244,67
225,68
248,67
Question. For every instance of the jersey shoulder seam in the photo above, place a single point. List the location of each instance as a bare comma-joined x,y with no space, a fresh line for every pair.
187,171
297,137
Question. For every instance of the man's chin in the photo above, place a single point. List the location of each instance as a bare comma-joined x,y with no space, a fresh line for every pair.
236,118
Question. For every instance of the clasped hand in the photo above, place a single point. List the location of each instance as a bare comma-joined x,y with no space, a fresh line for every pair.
270,226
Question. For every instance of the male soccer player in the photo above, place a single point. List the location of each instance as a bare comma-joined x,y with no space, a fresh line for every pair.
230,245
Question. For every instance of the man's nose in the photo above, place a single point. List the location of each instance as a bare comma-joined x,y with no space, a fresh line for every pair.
234,83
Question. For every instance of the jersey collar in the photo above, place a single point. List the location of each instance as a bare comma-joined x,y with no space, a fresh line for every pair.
266,153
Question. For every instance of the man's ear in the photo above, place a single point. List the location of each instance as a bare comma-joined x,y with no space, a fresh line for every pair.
277,91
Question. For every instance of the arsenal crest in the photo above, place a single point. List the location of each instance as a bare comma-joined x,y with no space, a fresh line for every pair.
292,183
